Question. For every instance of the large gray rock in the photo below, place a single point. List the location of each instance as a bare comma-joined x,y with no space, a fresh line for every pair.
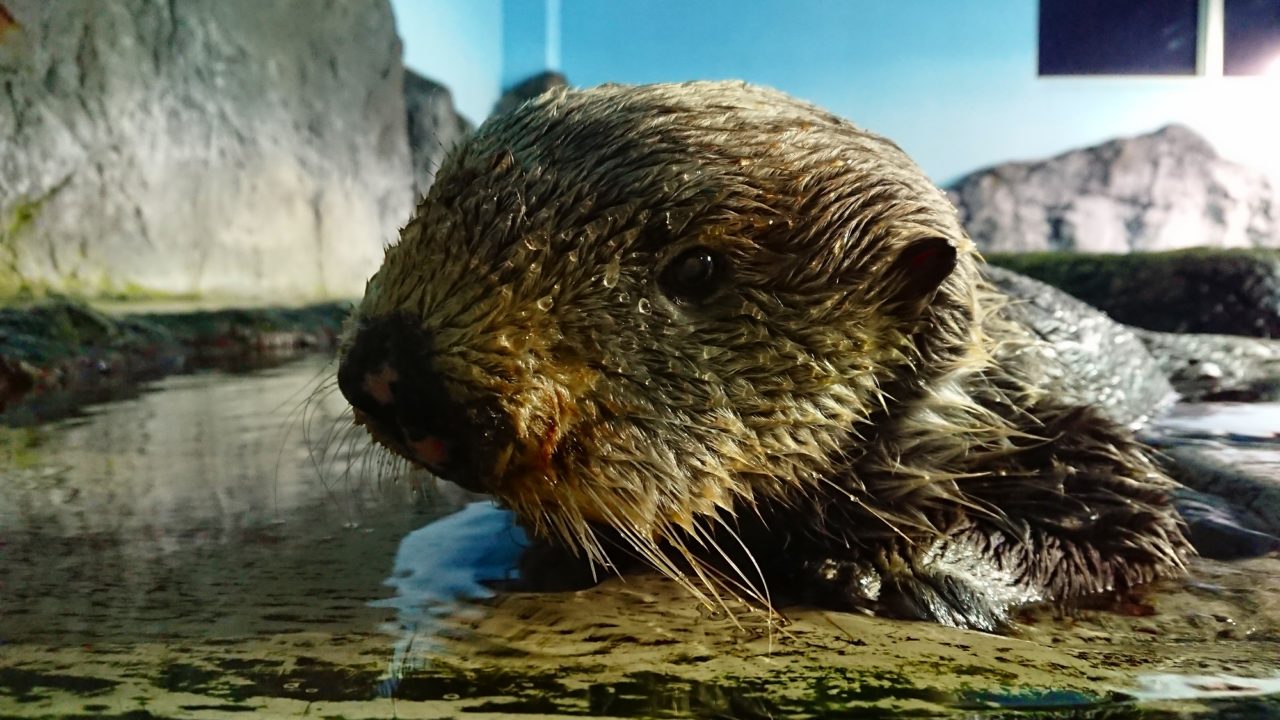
232,148
527,89
434,127
1161,191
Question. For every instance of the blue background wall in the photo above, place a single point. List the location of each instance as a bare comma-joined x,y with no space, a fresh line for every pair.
953,81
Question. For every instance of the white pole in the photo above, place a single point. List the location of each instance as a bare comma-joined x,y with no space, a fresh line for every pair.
1209,38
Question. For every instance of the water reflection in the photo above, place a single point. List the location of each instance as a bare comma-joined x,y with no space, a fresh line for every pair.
439,569
195,508
1235,422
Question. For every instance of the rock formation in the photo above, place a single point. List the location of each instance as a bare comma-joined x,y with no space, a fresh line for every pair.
434,126
527,89
1200,290
1165,190
233,148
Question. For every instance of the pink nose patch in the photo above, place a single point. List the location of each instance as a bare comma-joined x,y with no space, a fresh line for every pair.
431,450
378,385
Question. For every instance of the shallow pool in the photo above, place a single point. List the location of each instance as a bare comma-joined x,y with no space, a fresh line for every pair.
221,544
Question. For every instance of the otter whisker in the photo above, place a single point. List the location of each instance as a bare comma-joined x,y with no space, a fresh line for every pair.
867,507
762,593
716,583
649,550
298,415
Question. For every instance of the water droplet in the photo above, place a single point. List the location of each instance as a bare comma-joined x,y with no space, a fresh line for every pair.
643,306
545,303
611,273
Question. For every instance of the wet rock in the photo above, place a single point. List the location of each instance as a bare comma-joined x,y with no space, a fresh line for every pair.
528,89
1250,481
1092,359
212,337
1233,292
62,353
1217,368
434,127
16,380
59,347
1160,191
234,148
1221,532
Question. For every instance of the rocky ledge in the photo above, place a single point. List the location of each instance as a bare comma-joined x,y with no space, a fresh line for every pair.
1201,290
58,354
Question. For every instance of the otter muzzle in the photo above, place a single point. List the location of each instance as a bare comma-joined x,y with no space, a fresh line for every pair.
389,377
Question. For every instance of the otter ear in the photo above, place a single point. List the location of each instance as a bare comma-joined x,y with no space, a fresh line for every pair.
914,276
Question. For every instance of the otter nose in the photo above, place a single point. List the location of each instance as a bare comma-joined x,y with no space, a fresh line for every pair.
388,375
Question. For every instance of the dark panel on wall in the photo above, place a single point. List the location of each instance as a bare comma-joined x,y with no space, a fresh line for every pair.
1118,37
1251,36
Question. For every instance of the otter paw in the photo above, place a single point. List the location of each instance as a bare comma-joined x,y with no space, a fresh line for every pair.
839,584
944,598
909,593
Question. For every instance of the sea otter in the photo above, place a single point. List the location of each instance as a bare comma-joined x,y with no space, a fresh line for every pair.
722,330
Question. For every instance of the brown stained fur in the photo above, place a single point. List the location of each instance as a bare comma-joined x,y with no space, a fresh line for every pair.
807,400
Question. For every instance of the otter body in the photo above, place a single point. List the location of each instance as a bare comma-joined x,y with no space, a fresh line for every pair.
724,331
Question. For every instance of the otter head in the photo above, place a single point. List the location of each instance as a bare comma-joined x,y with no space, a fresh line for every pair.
644,307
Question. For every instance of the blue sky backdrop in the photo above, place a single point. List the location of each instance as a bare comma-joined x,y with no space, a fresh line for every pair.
952,81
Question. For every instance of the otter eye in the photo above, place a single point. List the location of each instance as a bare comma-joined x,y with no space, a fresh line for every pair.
693,275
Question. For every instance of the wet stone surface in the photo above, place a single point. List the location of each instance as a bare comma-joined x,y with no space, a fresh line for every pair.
1228,450
217,547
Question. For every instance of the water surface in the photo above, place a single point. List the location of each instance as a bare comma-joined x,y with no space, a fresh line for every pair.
200,551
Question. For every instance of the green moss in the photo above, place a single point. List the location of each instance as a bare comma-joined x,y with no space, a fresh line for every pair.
17,221
19,448
133,292
20,217
1097,272
1232,291
14,287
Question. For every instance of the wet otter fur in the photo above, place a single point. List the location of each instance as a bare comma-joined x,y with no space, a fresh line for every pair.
732,334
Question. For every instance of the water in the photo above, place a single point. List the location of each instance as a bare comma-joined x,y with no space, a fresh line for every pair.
1234,422
191,552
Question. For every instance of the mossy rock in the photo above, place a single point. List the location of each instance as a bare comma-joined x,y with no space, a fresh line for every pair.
1199,290
59,346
